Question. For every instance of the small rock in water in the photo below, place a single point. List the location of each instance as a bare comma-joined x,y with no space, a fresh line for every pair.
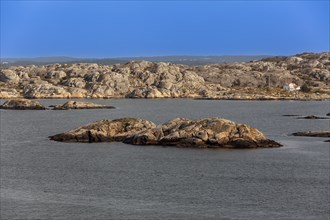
312,133
312,117
80,105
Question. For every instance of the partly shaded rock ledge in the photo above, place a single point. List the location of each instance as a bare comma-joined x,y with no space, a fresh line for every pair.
22,104
179,132
80,105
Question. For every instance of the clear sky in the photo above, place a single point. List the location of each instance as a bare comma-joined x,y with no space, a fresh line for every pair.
148,28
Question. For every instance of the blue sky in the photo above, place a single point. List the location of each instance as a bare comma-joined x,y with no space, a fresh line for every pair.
148,28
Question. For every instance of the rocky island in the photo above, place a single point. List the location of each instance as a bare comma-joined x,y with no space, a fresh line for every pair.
80,105
256,80
22,104
179,132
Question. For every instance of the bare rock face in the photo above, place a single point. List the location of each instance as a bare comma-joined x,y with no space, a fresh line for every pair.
80,105
43,89
105,130
8,76
204,133
179,132
312,133
22,104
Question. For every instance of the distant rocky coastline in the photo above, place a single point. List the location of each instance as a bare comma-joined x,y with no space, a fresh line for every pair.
179,132
255,80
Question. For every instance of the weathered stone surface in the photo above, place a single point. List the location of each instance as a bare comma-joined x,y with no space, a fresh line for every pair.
204,133
257,80
312,133
43,89
22,104
179,132
105,130
80,105
8,76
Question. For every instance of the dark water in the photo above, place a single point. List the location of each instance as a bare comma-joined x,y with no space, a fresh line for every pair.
42,179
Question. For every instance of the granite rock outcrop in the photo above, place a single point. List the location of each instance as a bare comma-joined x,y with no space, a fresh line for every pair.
179,132
263,79
80,105
22,104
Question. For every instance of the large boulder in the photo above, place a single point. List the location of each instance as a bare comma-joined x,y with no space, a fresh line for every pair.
105,130
8,76
80,105
22,104
43,89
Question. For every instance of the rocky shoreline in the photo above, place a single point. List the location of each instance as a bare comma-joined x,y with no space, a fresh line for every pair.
179,132
256,80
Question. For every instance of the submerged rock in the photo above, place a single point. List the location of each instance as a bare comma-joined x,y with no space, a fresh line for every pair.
180,132
105,130
312,133
80,105
22,104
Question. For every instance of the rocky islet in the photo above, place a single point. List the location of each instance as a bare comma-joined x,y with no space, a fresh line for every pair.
28,104
22,104
312,133
179,132
80,105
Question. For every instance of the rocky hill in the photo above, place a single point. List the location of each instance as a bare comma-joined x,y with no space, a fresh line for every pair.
262,79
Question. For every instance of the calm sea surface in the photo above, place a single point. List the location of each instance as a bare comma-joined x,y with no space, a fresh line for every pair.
43,179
